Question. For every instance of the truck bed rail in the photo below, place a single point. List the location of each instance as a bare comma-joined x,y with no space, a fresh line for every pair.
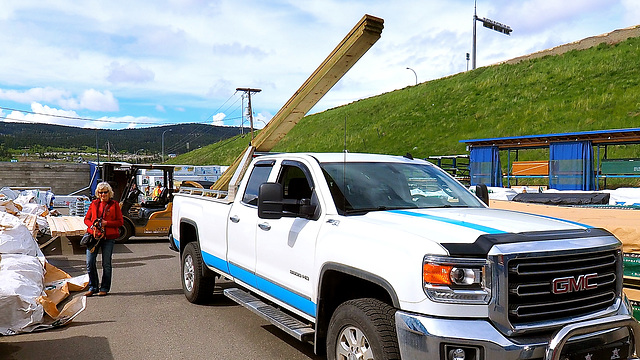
216,194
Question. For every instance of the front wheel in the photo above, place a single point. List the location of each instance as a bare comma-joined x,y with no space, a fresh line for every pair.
363,329
197,288
125,232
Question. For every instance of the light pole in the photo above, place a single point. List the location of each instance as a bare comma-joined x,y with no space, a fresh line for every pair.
493,25
135,155
414,74
163,143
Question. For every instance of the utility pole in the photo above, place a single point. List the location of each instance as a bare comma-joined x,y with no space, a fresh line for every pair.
247,92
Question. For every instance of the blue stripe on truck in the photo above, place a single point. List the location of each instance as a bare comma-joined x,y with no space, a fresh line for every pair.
287,296
215,262
469,225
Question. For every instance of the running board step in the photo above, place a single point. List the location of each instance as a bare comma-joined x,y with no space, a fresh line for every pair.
282,320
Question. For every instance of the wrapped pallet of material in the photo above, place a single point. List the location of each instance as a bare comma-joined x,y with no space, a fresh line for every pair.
21,277
21,283
30,288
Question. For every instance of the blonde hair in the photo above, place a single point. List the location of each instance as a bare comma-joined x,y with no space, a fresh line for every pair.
104,185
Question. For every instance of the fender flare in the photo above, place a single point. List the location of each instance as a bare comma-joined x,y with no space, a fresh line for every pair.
364,275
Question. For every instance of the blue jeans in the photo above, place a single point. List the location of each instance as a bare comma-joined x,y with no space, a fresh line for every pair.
106,247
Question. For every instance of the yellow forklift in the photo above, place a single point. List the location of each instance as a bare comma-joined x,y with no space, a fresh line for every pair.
143,215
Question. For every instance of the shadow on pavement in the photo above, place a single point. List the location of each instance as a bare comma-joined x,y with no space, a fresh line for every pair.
76,347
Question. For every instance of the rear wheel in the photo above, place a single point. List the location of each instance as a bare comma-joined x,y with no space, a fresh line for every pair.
125,232
196,287
362,329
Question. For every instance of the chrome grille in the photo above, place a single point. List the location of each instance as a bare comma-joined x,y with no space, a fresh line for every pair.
531,296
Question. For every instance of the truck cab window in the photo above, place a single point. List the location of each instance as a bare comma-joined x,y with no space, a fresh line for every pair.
258,176
296,185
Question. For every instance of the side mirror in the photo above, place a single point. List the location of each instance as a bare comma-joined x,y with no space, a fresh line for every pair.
270,201
482,193
307,210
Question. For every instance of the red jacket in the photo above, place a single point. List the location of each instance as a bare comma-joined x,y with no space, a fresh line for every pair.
111,220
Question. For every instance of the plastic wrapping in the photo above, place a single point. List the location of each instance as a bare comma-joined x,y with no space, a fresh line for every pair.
21,283
28,302
15,238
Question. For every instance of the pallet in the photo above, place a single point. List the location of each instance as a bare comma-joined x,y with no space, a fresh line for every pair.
66,225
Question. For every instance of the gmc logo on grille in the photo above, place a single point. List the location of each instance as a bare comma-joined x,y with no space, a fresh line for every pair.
569,284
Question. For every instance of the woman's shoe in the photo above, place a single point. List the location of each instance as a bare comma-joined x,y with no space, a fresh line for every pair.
102,293
89,293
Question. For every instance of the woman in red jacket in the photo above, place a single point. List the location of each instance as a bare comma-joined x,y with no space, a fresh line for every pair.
106,212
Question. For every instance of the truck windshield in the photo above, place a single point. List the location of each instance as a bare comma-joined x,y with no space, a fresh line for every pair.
359,187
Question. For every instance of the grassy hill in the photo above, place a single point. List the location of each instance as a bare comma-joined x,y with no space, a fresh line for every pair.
592,89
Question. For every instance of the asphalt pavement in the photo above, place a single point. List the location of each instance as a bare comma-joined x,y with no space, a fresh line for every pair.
146,316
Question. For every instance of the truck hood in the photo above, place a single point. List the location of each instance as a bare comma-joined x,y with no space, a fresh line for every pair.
462,225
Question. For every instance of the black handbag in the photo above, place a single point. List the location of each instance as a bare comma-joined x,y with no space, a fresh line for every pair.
88,240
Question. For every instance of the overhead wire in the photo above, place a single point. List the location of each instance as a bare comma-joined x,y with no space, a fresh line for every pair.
204,128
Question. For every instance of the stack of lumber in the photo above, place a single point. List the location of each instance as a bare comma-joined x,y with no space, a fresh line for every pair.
66,225
29,220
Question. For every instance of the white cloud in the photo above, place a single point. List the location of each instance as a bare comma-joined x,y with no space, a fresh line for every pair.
218,119
93,100
46,94
191,55
47,115
129,72
90,99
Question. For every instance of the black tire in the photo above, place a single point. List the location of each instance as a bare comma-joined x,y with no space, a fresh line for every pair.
364,328
126,231
197,288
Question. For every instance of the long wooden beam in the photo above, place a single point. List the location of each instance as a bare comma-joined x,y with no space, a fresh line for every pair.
357,42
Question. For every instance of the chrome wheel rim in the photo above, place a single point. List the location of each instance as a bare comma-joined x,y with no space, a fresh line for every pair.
188,273
353,345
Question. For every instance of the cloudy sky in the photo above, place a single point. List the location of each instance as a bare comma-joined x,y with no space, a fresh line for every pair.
122,64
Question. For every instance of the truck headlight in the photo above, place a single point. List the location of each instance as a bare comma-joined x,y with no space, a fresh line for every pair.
456,280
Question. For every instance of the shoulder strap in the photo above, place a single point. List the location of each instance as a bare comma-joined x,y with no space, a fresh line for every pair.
104,209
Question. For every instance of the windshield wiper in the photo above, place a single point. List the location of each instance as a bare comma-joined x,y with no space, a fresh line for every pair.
378,208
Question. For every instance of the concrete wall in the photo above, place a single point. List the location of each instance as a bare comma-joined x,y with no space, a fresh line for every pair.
62,178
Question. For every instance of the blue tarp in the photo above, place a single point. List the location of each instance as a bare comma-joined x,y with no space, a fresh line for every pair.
484,166
95,175
571,166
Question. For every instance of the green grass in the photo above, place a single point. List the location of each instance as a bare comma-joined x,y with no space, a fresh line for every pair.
593,89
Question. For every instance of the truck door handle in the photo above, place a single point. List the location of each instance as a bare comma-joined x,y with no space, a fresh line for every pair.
234,219
264,226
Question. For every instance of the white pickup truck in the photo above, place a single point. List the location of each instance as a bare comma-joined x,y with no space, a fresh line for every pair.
386,257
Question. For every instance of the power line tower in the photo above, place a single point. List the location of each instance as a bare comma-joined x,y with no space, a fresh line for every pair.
247,93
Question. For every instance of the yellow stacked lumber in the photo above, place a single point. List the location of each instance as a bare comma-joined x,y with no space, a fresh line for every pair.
30,222
66,225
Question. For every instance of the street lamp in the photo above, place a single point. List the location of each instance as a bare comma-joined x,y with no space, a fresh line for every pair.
414,74
163,143
135,155
493,25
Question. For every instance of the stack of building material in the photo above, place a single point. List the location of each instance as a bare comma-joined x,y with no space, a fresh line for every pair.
66,225
24,275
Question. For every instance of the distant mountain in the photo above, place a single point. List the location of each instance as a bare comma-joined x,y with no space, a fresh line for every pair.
178,139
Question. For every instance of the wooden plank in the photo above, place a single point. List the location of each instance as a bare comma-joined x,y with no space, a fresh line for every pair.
66,225
360,39
52,226
530,168
357,42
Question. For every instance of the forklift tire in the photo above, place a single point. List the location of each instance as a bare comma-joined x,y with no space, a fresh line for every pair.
126,231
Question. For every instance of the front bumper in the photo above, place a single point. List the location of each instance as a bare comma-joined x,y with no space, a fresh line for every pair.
423,337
